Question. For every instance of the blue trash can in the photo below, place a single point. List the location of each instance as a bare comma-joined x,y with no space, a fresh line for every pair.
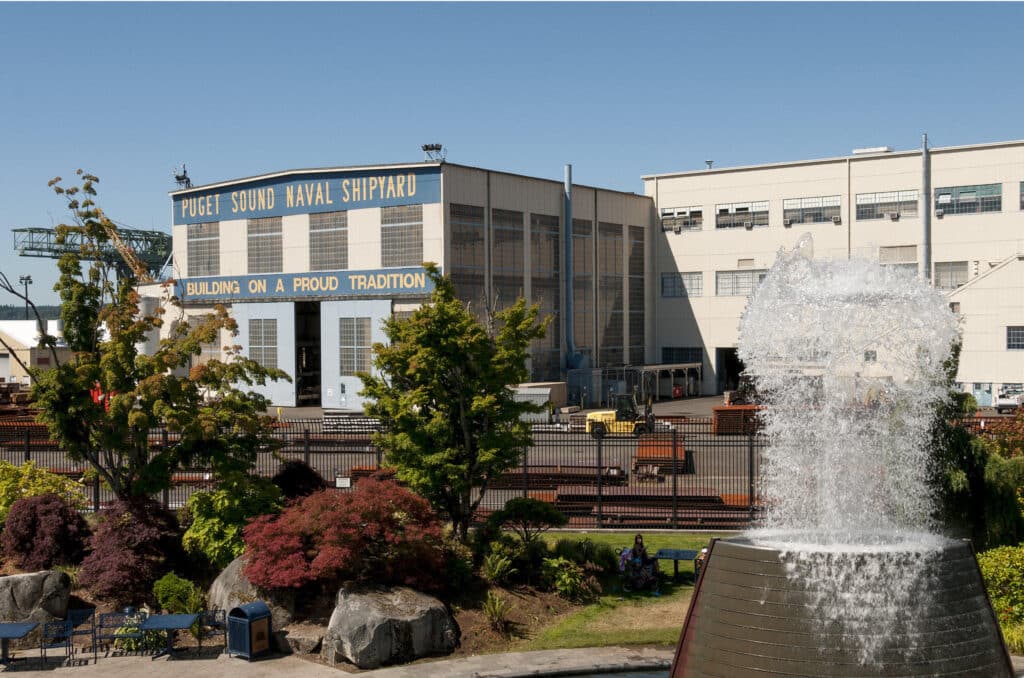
249,630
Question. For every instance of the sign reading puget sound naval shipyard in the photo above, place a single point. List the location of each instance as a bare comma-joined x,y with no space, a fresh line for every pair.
329,191
412,281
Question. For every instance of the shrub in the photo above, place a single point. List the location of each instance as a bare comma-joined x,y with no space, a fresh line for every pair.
1003,570
44,531
150,640
527,517
28,480
569,580
379,533
586,551
458,562
1013,634
298,479
178,595
496,610
133,543
497,568
218,517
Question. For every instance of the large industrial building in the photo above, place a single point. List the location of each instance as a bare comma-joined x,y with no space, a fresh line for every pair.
311,262
955,214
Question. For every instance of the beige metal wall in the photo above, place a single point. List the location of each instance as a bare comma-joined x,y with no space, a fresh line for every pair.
983,240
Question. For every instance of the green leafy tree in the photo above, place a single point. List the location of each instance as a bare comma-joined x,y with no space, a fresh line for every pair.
442,388
220,516
101,403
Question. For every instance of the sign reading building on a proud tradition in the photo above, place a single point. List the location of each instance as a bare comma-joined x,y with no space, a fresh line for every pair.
391,282
305,193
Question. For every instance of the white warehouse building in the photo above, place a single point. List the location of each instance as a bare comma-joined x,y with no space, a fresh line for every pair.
311,261
719,230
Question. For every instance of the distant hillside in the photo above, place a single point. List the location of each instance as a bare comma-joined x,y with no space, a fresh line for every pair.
18,312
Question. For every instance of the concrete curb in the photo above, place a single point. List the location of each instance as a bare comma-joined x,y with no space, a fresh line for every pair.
539,663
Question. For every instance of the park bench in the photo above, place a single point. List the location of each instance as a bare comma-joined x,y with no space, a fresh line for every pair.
114,626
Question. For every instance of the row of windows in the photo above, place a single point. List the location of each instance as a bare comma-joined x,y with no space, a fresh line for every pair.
950,200
948,275
401,242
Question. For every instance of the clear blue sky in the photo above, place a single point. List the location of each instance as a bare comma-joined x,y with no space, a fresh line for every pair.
128,91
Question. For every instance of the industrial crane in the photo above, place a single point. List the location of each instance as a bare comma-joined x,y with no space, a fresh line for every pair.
142,254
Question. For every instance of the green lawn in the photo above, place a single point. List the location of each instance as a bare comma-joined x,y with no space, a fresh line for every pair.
618,618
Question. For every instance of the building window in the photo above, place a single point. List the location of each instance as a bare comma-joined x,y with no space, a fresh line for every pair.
637,309
401,235
954,306
328,241
682,284
811,210
507,250
886,204
354,345
263,341
1022,195
545,267
950,275
681,354
899,256
1015,338
969,199
682,219
583,284
611,300
265,245
741,214
204,249
738,283
467,265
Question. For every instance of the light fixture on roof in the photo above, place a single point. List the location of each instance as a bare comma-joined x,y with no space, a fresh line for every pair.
433,153
181,178
872,149
709,163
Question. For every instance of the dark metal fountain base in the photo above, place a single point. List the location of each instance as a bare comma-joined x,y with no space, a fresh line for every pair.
749,618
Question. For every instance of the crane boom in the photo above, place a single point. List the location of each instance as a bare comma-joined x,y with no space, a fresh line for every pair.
149,250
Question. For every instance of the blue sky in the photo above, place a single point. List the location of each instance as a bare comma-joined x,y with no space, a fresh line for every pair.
128,91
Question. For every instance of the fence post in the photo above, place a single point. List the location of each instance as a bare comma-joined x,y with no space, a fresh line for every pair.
675,479
750,476
526,474
600,444
305,446
96,494
28,445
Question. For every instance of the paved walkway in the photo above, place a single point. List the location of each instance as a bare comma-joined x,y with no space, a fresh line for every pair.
511,665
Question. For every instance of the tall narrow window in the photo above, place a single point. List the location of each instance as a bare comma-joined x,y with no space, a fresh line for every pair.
354,345
507,251
637,302
204,249
545,268
401,235
328,241
610,296
263,341
467,264
583,284
265,245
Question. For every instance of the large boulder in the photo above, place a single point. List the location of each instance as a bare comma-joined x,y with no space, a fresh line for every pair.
232,588
36,596
372,629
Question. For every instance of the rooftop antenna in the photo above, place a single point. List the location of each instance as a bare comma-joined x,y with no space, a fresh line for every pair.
433,153
709,163
181,178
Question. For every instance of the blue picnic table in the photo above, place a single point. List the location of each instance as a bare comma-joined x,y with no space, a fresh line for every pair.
169,623
13,631
675,555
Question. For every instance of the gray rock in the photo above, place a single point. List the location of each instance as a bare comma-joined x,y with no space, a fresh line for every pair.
232,588
36,596
372,629
301,638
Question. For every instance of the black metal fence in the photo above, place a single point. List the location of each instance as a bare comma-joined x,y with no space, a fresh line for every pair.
689,473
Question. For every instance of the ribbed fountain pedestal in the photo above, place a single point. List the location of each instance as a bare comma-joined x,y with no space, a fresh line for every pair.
752,615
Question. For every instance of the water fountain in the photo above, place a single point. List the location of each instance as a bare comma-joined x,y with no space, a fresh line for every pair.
847,574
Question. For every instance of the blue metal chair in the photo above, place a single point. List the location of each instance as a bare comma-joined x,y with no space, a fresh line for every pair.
83,623
56,635
213,623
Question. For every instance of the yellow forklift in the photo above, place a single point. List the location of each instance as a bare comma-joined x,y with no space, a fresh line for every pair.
624,419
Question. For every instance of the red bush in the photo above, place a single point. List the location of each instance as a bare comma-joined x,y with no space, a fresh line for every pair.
379,533
134,544
43,531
